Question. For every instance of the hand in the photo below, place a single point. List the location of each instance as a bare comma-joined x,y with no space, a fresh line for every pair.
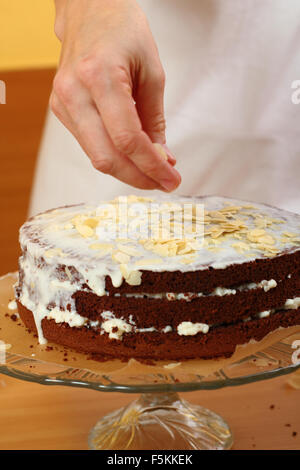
108,90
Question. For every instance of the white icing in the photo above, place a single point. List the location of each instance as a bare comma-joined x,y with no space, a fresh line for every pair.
146,330
140,295
170,296
167,329
107,315
66,285
292,303
63,316
220,291
264,314
187,328
267,285
121,325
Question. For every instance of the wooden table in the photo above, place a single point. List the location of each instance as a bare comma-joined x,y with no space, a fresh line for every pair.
39,417
264,415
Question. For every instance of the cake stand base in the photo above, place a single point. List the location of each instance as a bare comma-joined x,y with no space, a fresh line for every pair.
161,421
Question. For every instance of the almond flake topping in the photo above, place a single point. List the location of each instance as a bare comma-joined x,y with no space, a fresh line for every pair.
161,151
120,257
104,248
128,250
54,252
84,230
245,228
133,278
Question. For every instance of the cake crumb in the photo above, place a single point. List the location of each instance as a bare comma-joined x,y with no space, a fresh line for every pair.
12,305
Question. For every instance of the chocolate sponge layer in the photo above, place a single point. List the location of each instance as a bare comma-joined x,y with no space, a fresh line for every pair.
208,279
220,341
213,309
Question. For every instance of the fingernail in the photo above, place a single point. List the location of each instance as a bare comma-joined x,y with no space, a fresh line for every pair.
161,188
169,185
171,157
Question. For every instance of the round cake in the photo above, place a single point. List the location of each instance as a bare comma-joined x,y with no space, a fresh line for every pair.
158,279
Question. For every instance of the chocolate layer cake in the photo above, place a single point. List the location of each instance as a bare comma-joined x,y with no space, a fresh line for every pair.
174,278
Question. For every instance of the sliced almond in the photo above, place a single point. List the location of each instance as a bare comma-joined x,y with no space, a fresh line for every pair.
133,278
120,257
91,222
102,249
84,230
54,252
161,151
128,250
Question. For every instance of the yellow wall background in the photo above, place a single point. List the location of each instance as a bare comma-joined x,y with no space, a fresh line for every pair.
27,38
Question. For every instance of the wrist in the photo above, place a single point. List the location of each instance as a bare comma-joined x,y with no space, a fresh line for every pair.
60,6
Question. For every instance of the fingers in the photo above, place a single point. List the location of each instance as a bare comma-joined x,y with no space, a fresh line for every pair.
111,92
149,98
124,150
84,122
150,107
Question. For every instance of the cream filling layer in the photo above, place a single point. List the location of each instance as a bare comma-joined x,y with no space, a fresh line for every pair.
266,285
116,327
39,294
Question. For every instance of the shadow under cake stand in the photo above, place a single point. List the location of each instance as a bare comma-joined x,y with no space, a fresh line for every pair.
159,419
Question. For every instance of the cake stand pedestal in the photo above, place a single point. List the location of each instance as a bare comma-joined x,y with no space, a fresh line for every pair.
161,421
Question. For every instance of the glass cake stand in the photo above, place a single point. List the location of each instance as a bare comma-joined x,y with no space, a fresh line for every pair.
159,419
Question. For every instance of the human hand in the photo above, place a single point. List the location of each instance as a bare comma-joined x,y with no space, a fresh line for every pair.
108,90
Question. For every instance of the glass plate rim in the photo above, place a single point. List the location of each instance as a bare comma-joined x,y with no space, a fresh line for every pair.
44,379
